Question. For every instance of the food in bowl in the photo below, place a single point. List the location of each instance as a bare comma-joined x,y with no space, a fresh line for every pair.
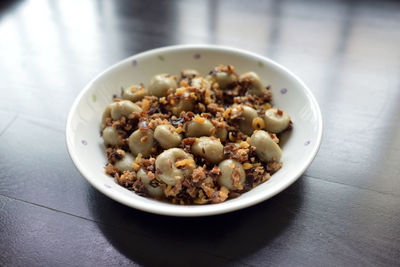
194,139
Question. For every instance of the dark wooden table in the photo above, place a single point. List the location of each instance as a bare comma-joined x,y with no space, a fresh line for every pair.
344,211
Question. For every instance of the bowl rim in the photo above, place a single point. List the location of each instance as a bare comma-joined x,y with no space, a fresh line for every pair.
200,210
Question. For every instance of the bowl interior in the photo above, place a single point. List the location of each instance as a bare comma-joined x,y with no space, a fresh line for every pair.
289,93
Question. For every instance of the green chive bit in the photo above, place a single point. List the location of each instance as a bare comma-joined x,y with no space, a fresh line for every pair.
161,58
94,97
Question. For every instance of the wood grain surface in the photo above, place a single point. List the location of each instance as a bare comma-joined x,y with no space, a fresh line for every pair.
345,209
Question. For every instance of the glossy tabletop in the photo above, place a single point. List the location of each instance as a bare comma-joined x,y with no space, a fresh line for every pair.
344,210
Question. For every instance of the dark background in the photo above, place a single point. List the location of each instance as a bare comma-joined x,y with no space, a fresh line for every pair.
343,211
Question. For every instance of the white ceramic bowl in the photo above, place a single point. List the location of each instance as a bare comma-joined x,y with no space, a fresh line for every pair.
86,148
